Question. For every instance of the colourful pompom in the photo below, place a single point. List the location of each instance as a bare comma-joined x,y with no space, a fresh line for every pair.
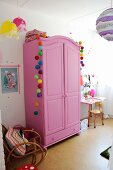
37,66
40,53
39,94
40,86
81,54
38,91
81,51
81,58
36,57
36,104
82,47
40,43
40,62
40,71
80,42
39,81
36,76
36,113
40,47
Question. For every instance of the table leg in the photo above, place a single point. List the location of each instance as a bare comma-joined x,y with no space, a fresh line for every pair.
90,107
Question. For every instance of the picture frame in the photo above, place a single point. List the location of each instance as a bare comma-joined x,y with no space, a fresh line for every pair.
10,79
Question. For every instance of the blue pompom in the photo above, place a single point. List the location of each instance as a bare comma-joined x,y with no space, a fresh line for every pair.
40,62
40,47
39,94
37,66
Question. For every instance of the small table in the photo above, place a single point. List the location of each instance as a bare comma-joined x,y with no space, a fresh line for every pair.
90,101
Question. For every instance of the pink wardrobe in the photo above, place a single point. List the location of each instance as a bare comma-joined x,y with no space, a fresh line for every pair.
52,88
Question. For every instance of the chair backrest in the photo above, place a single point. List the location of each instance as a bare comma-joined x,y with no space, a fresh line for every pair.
99,106
6,147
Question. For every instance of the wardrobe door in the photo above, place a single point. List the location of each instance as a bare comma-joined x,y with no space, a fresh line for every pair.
53,88
72,91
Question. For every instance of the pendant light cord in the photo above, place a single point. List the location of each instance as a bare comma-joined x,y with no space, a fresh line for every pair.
111,3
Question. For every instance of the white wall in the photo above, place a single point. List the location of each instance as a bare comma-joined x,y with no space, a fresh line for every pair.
11,52
97,57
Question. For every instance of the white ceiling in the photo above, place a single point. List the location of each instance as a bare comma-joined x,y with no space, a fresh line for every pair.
67,9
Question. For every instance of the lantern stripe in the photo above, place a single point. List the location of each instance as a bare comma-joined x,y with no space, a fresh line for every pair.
106,32
107,12
106,18
108,37
103,26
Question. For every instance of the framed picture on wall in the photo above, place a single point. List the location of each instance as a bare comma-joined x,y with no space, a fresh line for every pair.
10,79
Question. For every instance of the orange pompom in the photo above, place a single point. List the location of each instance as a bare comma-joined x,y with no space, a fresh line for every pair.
40,43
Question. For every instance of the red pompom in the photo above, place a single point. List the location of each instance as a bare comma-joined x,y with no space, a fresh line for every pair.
81,58
82,47
39,86
36,57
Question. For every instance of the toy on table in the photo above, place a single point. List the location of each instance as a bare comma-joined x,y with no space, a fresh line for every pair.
92,92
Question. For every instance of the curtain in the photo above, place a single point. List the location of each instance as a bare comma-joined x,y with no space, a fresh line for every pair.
98,57
100,63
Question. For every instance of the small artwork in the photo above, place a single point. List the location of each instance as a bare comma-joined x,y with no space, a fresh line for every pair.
9,80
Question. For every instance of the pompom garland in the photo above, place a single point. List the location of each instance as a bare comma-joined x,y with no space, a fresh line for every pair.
81,54
39,71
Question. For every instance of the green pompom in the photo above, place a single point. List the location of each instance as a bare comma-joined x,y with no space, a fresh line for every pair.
40,53
36,76
36,112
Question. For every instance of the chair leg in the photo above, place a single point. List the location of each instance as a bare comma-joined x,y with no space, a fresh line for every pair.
102,119
33,159
94,121
88,118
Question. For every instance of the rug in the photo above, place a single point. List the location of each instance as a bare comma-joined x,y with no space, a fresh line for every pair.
106,153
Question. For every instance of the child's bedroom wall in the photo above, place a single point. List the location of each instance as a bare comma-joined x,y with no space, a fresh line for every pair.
97,58
11,53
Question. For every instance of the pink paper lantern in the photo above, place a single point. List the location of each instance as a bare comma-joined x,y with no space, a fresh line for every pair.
20,23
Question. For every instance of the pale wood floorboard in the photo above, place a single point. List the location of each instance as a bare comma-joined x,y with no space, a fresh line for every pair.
81,152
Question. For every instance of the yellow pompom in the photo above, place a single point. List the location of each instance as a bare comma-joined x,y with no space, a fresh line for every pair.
80,42
81,54
39,81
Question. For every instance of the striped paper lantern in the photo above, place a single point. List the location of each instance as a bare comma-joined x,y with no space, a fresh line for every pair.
104,24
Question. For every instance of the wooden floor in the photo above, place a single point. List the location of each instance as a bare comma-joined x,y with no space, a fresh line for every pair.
81,152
